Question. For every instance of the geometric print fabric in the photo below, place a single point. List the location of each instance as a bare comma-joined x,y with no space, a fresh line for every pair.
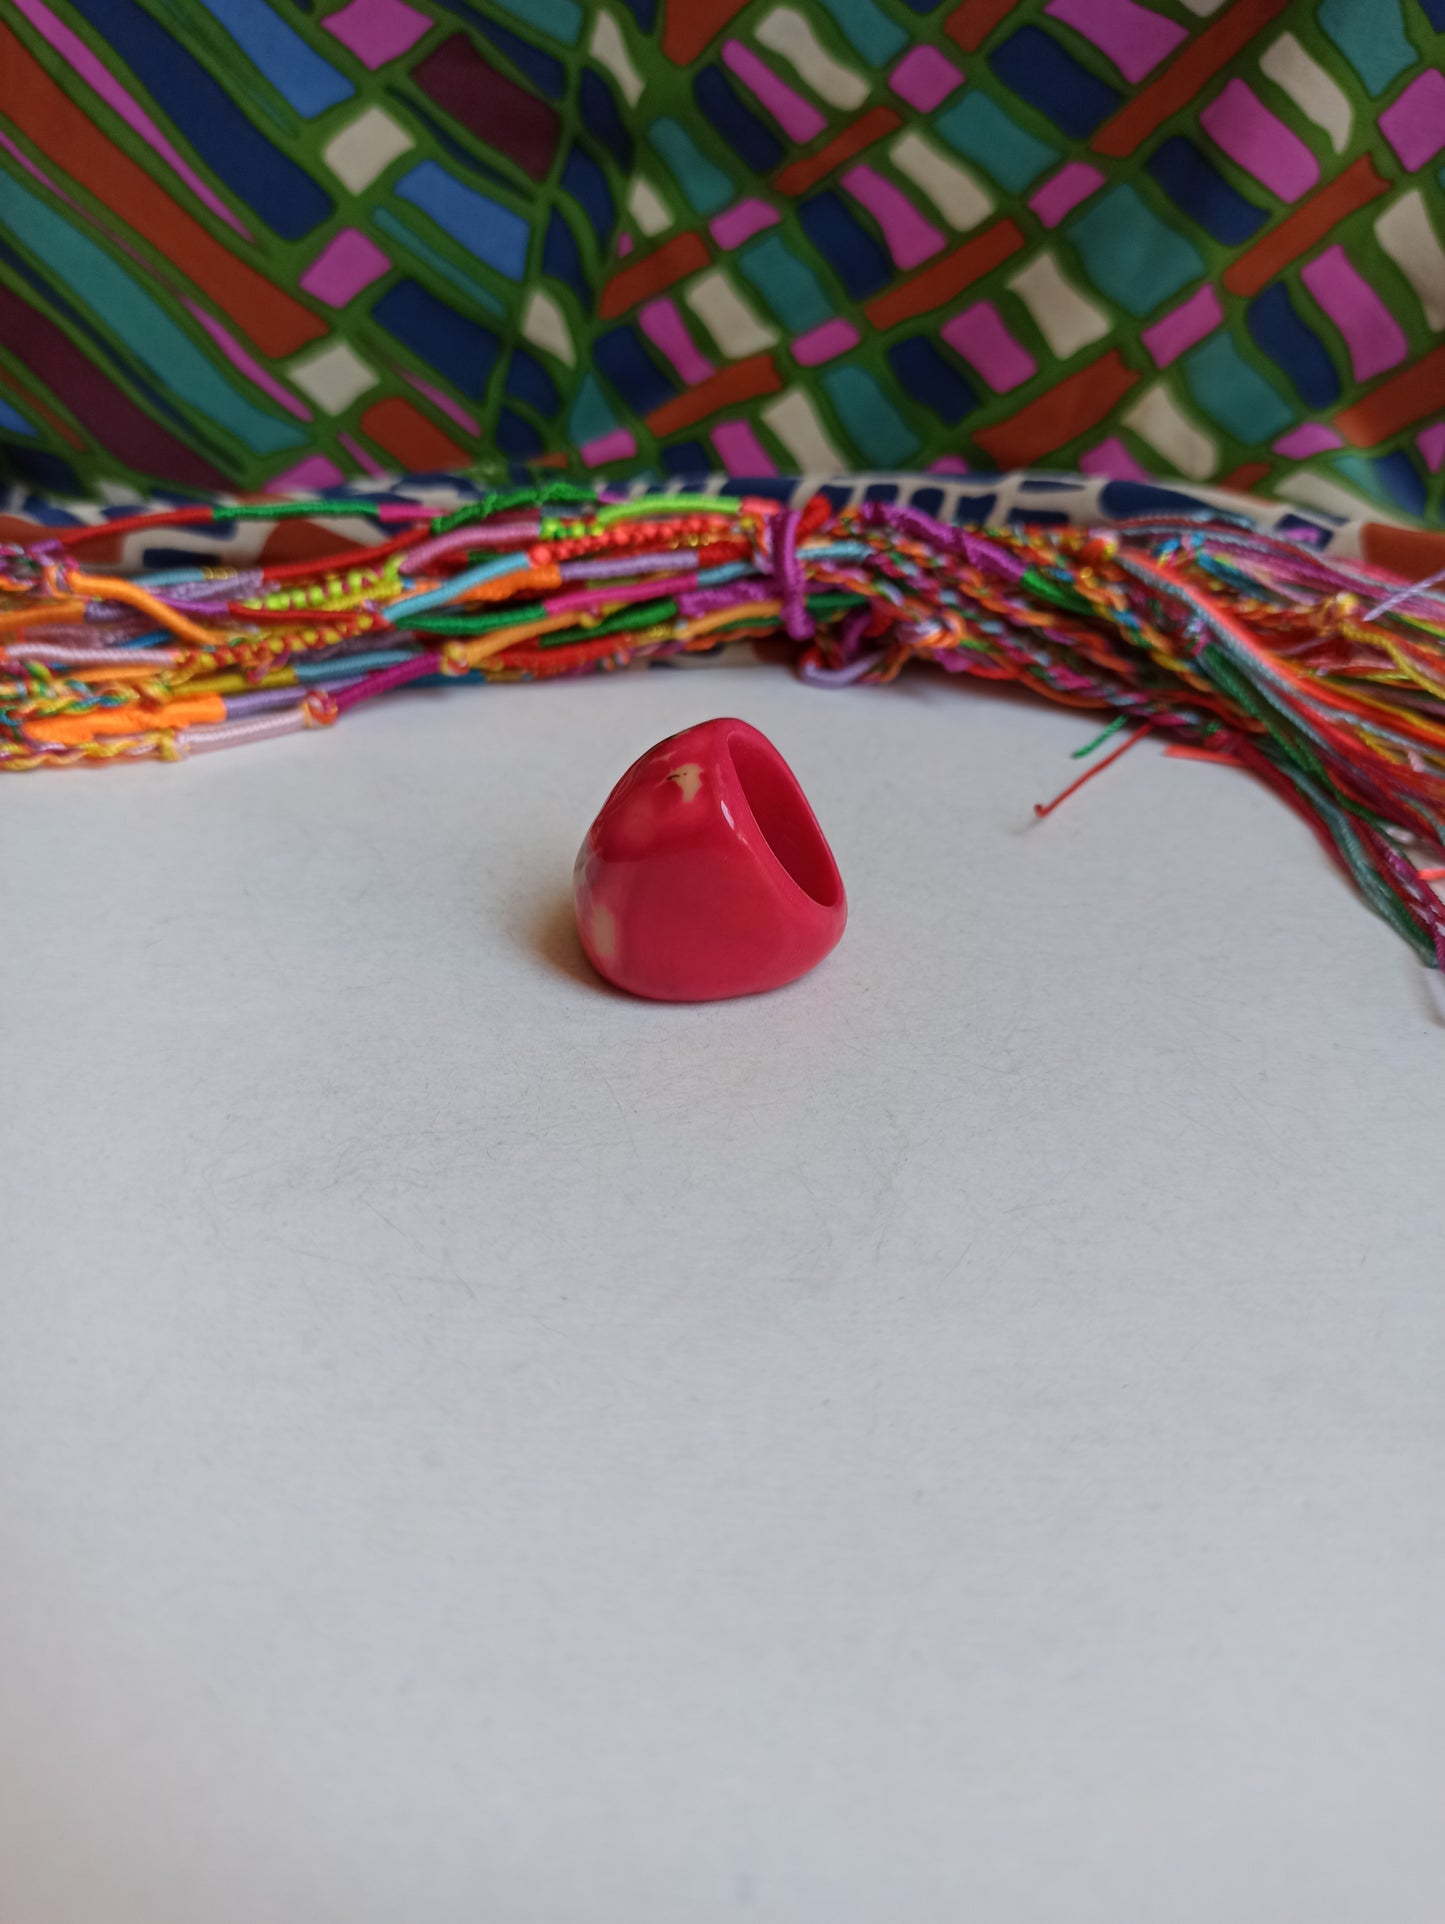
258,243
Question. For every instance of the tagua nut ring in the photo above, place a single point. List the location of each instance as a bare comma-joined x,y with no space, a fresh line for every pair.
706,874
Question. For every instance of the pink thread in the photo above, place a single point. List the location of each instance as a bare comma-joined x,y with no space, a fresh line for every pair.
198,741
383,679
588,598
486,534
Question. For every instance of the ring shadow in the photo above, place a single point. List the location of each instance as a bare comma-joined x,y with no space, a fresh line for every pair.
552,935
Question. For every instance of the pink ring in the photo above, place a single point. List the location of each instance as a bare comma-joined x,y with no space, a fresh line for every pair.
706,873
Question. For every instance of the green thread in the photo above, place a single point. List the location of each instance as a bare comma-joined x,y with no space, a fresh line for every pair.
1118,722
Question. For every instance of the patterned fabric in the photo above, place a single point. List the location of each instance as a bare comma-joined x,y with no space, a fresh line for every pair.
1004,500
256,244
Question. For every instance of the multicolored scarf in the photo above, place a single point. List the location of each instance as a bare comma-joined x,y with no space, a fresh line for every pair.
266,244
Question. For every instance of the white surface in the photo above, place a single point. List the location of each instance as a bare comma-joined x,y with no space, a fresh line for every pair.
959,1441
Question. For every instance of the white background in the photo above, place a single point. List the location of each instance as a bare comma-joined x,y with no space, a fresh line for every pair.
958,1441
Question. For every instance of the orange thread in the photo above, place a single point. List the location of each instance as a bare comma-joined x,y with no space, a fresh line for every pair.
1047,808
116,588
133,719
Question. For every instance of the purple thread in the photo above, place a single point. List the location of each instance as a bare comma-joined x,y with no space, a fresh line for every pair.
845,651
207,597
75,634
1402,597
851,632
693,602
259,702
798,624
613,567
841,677
982,554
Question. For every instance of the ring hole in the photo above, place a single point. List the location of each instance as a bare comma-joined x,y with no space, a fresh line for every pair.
785,819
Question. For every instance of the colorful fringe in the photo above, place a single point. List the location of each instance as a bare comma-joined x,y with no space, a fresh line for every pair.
1322,676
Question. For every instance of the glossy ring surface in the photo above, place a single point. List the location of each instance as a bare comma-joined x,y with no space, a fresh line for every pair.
706,874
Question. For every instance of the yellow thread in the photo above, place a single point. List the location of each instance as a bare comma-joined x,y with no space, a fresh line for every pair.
486,646
722,617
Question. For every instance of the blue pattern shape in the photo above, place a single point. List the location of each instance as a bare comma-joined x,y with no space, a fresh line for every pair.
516,437
1045,74
529,381
734,123
560,257
264,179
453,344
544,70
489,231
686,457
632,371
1277,330
454,150
1198,189
926,377
1403,481
390,222
52,473
587,184
601,118
294,68
1122,499
847,246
